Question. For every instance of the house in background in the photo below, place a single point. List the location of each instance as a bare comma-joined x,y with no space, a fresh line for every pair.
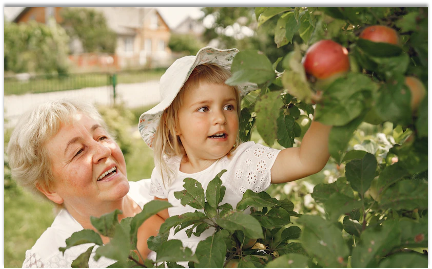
190,26
142,36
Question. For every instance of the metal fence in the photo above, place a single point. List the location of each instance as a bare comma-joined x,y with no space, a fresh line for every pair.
23,83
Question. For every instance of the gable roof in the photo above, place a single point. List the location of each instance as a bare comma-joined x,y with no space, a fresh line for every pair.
122,20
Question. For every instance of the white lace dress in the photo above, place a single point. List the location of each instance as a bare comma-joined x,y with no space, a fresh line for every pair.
248,167
45,252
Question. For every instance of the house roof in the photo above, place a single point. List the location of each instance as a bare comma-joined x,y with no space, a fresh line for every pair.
122,20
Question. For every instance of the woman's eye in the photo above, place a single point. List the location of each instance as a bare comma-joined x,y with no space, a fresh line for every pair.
203,109
103,138
79,152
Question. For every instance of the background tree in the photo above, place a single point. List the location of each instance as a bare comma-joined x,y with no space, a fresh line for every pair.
90,27
35,48
185,43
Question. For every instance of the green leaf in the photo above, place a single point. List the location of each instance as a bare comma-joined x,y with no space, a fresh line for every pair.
151,208
322,192
379,49
173,251
336,112
253,199
215,191
107,223
393,102
293,247
82,237
405,260
82,260
340,137
339,204
390,175
211,251
267,110
324,241
291,27
275,218
414,233
360,173
246,122
118,248
354,154
192,195
306,28
189,217
408,22
291,260
285,131
270,12
285,234
352,227
294,77
414,158
240,221
406,194
155,242
375,243
251,66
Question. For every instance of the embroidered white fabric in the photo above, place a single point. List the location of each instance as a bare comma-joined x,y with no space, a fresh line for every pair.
248,167
45,252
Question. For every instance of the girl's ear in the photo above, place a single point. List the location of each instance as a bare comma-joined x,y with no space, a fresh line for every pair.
52,195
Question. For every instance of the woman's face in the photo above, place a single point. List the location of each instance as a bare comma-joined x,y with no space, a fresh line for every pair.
88,166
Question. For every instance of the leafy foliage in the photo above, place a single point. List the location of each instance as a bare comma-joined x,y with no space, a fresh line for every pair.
80,23
35,48
234,229
374,210
185,43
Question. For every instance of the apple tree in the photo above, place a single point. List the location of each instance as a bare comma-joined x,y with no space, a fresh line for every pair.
361,70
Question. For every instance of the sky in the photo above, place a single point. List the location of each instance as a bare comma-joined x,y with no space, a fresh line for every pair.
172,15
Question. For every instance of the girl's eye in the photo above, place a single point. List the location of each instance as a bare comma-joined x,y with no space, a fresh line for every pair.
229,107
203,109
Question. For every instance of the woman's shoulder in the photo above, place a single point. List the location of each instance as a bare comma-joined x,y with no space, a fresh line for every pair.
139,191
46,253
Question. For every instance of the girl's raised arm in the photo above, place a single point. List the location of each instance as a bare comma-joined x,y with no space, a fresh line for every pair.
299,162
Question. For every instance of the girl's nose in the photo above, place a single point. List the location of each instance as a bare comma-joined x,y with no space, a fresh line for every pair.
219,117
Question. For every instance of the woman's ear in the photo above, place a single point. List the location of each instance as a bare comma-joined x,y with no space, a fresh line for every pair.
52,195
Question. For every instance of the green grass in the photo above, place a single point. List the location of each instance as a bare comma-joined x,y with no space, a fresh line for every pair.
41,84
25,219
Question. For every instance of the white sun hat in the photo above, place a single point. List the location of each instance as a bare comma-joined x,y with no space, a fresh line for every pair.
173,79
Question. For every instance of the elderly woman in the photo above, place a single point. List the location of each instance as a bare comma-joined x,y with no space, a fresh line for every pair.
62,151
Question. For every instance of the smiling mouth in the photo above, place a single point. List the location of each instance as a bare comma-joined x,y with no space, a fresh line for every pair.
219,135
108,173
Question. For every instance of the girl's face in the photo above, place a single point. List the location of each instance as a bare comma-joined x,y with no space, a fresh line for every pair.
208,121
88,167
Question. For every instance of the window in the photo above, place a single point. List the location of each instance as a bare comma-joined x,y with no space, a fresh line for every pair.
129,44
154,21
161,45
148,45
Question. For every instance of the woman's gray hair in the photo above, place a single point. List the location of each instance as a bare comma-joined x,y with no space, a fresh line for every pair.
28,158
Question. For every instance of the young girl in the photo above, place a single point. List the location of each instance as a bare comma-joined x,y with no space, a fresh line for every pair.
194,134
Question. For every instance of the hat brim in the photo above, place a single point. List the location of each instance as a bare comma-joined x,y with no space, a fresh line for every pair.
173,80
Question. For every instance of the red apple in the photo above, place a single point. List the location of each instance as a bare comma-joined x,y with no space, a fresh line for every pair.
380,33
418,91
326,60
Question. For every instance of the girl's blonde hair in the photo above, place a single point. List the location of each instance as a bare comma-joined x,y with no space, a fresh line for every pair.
166,143
28,158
